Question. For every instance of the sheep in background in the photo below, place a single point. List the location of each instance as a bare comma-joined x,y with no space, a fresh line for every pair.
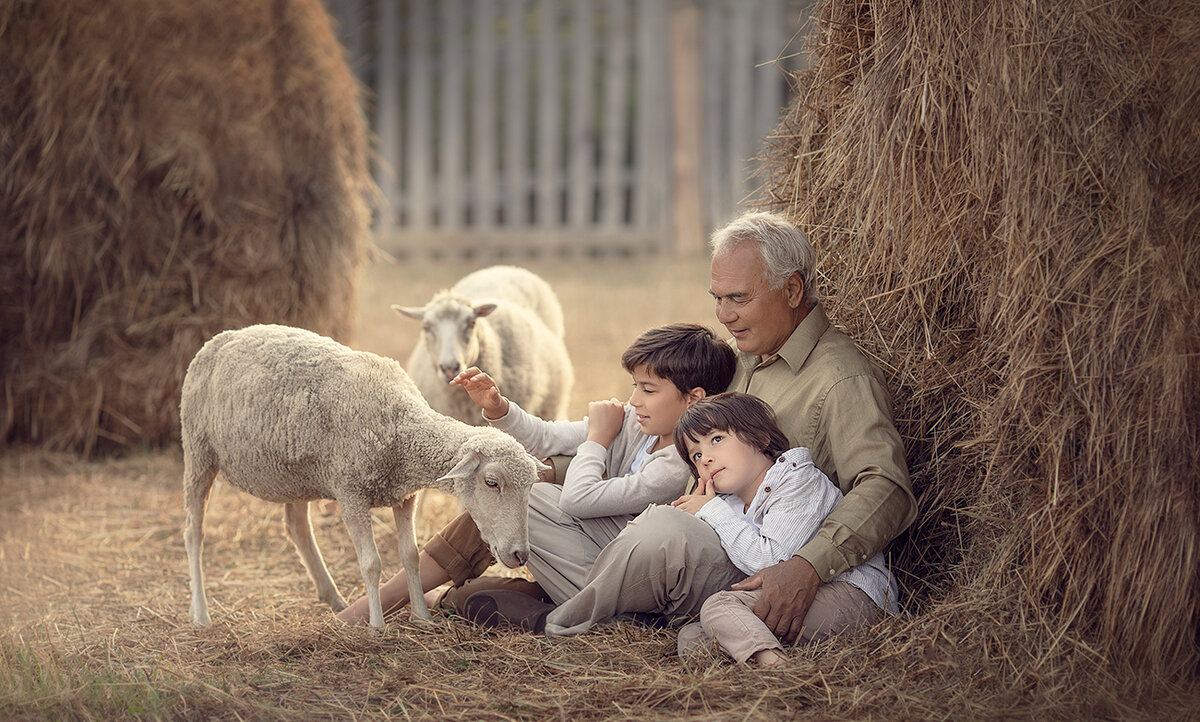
290,416
508,322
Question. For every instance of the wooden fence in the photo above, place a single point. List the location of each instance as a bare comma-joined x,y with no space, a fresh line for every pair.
507,127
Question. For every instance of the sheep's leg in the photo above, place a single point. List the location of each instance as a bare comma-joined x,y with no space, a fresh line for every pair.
357,516
299,528
199,470
407,540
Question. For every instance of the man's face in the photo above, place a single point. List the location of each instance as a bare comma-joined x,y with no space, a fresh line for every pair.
759,319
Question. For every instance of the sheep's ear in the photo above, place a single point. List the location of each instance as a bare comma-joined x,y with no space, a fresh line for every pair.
464,469
484,309
540,466
417,312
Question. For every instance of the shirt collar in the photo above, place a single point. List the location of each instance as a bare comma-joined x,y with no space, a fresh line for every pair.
795,351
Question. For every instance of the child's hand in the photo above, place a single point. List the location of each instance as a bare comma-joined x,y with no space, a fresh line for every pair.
692,503
483,391
605,419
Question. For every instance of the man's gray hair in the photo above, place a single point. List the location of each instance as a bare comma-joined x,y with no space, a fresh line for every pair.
784,248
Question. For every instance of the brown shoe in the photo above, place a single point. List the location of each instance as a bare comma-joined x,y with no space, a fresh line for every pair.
506,608
455,598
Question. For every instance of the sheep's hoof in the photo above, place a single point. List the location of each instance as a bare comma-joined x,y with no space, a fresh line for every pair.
425,622
337,605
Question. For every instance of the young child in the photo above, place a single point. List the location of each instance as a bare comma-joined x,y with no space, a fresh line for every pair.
625,460
764,501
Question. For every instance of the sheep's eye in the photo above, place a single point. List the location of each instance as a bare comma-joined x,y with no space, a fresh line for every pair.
492,483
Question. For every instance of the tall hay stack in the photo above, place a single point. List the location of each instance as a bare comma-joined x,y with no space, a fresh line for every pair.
1004,199
167,170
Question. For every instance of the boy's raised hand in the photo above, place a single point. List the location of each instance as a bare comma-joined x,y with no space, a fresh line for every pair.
605,419
692,503
483,391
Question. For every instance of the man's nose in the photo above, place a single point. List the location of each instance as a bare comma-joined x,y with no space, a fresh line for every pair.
724,315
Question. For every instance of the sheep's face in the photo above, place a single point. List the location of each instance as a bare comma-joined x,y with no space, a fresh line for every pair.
448,330
493,485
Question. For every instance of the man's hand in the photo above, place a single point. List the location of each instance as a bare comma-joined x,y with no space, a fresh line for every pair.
483,391
604,421
788,591
692,503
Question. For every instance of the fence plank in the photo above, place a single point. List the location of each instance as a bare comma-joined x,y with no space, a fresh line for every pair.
715,121
739,94
548,132
451,125
687,224
613,135
652,123
387,115
482,115
579,140
418,166
516,120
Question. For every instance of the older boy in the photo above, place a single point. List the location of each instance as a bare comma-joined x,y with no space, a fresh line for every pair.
625,460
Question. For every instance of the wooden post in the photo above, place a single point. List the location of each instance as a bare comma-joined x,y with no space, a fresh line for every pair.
687,224
387,117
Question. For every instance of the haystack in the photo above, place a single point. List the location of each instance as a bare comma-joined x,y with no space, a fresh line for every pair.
1004,199
167,170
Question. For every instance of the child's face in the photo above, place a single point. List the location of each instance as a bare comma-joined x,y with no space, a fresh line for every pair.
657,402
729,464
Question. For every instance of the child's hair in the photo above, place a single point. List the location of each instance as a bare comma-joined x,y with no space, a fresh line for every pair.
686,354
747,417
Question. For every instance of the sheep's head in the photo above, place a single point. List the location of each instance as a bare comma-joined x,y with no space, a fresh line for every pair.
492,478
448,325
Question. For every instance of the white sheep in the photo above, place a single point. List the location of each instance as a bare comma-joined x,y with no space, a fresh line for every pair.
290,416
508,322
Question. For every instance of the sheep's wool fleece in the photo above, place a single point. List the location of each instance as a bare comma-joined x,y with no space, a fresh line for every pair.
291,415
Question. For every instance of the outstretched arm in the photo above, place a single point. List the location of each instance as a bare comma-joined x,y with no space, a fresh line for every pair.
483,391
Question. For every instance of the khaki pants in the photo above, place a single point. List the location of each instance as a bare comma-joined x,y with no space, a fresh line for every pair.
728,618
665,560
562,548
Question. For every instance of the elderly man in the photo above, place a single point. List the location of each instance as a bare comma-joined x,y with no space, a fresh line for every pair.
827,397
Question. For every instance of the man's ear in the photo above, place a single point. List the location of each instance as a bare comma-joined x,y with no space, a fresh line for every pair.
695,395
794,287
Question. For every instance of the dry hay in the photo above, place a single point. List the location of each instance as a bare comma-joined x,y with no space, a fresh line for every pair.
167,170
94,625
1003,198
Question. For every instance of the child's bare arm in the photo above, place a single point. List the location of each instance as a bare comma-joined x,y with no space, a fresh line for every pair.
483,391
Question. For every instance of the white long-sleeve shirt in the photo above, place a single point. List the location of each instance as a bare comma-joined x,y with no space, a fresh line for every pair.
599,481
786,512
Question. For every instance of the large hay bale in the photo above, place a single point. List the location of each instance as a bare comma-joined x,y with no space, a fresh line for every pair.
167,170
1004,199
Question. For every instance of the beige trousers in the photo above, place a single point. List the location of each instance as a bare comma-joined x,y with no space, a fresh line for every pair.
727,618
665,560
562,548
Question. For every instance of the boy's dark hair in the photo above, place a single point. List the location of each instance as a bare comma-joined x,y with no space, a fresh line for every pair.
686,354
747,417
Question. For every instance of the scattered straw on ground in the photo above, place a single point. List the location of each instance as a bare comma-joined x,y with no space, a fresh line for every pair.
94,625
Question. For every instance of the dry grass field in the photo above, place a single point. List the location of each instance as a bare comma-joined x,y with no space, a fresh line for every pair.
94,596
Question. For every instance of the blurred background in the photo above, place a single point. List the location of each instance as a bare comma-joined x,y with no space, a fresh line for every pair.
567,126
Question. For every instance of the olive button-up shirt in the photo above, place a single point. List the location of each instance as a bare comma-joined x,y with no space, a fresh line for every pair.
829,398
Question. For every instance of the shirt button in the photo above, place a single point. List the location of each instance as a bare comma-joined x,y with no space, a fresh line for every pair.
831,572
781,460
767,490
